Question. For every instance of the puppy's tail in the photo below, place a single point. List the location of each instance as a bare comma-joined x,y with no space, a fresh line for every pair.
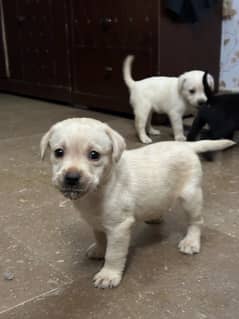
127,70
210,145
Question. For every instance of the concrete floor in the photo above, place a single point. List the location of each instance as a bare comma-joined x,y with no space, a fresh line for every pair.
43,240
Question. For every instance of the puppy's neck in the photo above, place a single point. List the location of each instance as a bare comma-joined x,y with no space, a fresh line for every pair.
111,175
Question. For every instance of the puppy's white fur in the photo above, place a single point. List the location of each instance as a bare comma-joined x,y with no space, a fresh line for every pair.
122,187
161,94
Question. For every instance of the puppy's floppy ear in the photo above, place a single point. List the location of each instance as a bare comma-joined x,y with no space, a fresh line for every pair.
118,143
210,81
208,85
181,81
45,143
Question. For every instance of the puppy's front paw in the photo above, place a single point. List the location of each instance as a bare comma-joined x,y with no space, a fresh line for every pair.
145,139
95,252
189,246
107,278
180,138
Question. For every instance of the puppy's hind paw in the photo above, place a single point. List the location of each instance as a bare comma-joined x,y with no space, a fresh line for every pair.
189,246
107,278
153,131
145,139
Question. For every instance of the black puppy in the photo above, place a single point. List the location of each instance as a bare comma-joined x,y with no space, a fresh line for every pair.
220,113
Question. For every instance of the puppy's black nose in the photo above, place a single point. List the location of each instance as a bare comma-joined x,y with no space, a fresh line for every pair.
72,178
201,102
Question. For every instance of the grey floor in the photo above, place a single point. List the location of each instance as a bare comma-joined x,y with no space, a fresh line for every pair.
43,240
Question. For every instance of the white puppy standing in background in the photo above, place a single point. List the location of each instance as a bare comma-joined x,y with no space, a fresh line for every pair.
162,94
114,188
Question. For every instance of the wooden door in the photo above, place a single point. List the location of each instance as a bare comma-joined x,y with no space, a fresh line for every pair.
102,36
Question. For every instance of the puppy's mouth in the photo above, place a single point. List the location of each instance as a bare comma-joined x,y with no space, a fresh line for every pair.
73,193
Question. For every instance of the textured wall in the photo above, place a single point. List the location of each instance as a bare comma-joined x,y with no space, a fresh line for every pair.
229,72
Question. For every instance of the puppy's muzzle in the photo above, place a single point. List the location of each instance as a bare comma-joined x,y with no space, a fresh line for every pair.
72,186
201,102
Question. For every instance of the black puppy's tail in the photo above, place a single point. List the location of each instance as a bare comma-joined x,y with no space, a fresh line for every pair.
208,91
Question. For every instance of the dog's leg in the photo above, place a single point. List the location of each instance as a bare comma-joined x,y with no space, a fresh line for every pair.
97,249
207,135
150,129
118,240
177,124
192,203
141,118
197,125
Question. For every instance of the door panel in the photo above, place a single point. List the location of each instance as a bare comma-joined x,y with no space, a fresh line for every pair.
102,36
37,33
99,71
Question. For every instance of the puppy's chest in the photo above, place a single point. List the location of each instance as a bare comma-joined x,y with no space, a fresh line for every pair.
153,208
102,214
91,212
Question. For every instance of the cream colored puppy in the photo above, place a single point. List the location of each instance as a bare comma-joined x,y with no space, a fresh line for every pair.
114,188
161,94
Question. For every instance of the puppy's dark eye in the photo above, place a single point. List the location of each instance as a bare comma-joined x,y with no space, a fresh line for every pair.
94,156
59,152
192,91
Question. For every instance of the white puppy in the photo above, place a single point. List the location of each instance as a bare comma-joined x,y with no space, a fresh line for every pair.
114,188
161,94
